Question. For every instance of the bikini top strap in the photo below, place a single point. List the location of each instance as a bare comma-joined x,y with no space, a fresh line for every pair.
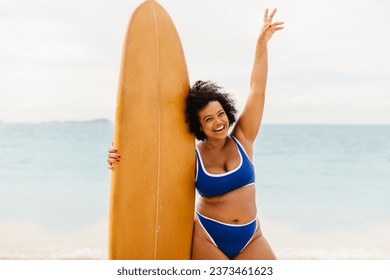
241,148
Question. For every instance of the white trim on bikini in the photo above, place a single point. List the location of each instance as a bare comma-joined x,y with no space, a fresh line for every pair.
242,147
204,229
249,241
220,174
225,224
197,165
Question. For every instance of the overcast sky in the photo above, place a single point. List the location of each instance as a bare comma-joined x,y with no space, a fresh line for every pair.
59,60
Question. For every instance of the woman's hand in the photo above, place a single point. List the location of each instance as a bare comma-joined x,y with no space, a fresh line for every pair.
113,157
269,27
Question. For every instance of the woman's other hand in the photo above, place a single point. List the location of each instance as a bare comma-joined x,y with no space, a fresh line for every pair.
113,157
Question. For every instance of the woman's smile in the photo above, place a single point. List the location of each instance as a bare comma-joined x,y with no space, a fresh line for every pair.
220,129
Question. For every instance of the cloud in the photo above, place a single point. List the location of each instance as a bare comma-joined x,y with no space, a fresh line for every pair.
71,51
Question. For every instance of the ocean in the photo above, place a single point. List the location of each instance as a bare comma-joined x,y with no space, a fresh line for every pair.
323,191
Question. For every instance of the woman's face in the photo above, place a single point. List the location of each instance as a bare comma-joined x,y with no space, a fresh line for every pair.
214,121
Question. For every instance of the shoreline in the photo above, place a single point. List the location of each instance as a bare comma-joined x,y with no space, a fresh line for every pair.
90,242
287,254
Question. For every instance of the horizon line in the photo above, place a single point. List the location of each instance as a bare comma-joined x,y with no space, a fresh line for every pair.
97,120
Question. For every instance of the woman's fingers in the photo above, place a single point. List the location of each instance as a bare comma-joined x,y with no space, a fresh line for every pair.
272,14
276,26
112,150
113,157
111,161
268,19
113,153
278,23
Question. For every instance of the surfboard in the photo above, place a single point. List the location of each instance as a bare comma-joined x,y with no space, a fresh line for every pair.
152,188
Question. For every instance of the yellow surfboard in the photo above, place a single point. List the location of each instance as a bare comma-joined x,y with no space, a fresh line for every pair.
152,188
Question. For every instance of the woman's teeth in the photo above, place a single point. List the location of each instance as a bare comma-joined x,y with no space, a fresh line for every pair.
219,129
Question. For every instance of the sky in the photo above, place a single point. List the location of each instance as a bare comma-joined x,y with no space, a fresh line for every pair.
60,60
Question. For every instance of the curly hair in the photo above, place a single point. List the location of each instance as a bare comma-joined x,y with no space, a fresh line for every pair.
201,93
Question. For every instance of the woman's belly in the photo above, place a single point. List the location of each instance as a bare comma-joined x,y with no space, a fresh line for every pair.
236,207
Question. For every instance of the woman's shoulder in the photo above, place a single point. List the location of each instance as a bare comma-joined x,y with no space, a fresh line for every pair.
244,143
239,137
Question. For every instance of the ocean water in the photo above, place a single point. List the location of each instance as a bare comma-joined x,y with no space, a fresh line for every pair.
323,191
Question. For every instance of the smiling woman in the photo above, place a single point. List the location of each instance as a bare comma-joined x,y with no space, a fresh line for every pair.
226,224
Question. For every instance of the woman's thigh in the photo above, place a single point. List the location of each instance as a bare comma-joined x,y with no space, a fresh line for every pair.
257,249
202,247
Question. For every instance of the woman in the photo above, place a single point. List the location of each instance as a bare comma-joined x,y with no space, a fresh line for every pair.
225,225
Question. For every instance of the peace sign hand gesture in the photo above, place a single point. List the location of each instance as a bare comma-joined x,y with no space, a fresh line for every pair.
269,27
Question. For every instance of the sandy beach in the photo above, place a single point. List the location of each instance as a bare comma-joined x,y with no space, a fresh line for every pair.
29,241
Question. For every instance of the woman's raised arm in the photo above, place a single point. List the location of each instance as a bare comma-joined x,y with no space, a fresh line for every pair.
249,122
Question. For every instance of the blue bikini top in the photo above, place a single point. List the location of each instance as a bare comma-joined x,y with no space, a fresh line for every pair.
209,185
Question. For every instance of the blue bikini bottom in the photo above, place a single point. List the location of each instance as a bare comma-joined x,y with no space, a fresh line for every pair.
231,239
